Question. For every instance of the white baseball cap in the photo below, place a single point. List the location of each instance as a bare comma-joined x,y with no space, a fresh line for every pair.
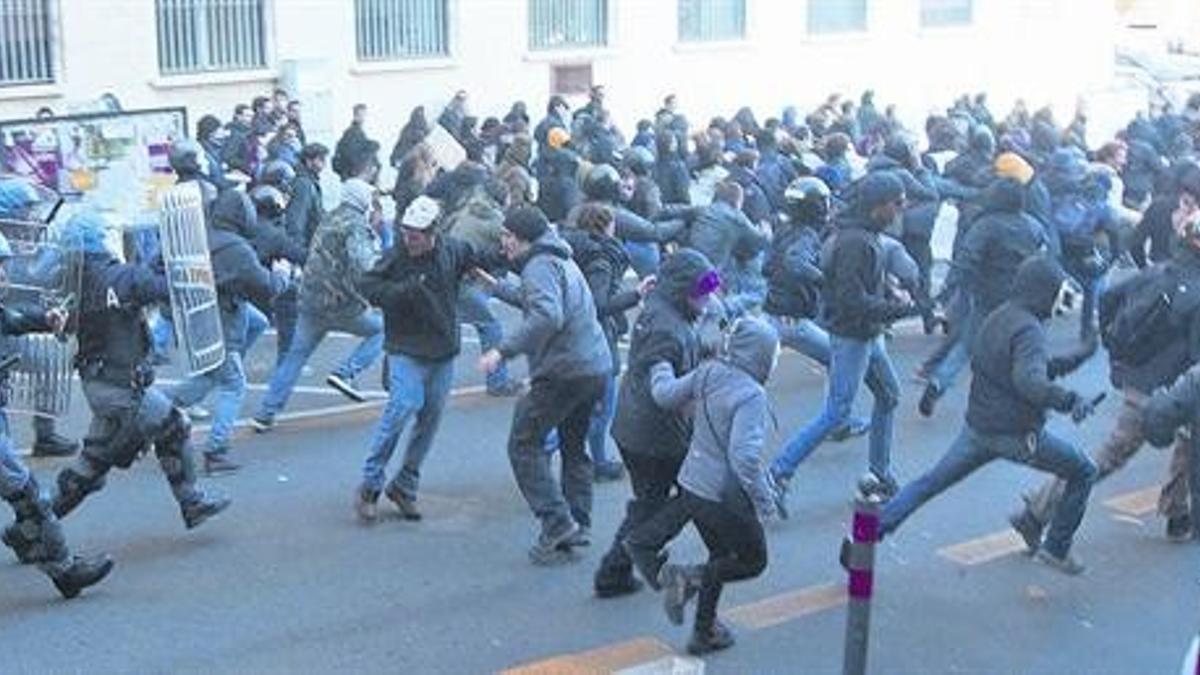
421,213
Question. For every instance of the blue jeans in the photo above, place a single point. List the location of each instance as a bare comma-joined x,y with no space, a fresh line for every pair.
956,358
229,381
971,450
284,311
850,362
417,386
602,417
162,334
310,330
808,338
256,325
644,257
13,474
473,308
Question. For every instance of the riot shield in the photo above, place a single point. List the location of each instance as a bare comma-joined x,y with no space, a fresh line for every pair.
40,276
197,316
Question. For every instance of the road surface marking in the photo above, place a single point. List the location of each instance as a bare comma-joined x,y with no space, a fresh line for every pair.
984,549
1137,503
601,660
786,607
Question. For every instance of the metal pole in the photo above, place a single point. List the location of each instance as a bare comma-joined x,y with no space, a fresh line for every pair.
858,559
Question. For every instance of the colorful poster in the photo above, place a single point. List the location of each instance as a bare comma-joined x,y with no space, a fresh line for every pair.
116,161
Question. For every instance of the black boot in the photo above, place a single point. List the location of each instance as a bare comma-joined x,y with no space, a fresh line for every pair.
217,462
615,577
648,562
680,584
79,574
714,638
929,399
203,508
54,445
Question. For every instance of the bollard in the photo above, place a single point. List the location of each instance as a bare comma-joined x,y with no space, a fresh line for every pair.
858,559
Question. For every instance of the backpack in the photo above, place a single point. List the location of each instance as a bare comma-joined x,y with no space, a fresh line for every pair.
1137,323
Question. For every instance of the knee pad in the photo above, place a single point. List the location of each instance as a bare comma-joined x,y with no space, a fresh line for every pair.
73,488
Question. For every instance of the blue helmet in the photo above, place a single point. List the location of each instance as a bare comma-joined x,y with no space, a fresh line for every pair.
85,231
17,197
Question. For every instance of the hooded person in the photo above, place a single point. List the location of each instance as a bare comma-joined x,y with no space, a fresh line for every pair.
1002,237
569,363
345,247
652,441
514,172
723,480
858,307
1012,390
244,287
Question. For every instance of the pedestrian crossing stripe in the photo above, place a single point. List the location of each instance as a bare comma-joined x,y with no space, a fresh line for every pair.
602,660
1138,503
786,607
984,549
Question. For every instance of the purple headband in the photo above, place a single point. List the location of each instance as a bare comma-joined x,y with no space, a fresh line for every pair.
707,284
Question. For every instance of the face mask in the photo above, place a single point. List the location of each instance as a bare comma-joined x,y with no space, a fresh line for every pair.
1065,299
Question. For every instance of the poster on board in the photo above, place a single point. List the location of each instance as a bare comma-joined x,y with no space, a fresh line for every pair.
112,161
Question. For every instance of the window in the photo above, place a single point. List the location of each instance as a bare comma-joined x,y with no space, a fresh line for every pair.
390,30
566,24
837,16
200,36
26,42
712,20
940,13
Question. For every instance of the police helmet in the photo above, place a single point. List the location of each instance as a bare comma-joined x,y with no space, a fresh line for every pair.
602,183
808,200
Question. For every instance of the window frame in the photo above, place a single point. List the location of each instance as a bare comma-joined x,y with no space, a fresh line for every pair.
54,64
923,14
565,50
810,32
701,41
401,62
221,74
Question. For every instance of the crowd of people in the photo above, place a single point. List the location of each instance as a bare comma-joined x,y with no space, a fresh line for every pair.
708,249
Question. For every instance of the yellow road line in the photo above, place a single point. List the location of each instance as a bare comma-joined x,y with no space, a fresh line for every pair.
785,607
596,661
984,549
1137,503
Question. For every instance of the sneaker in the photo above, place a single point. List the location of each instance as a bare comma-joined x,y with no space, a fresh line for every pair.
648,562
407,505
262,425
366,505
82,572
582,537
716,638
608,472
217,462
1029,528
198,413
852,429
549,549
778,488
1067,564
1179,528
509,389
346,387
884,487
195,513
55,445
626,584
929,399
680,584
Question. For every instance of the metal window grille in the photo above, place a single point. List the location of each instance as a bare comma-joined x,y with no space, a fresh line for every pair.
565,24
837,16
26,42
199,36
389,30
938,13
712,20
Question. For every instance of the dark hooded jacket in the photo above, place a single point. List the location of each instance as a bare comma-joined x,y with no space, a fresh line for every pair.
671,171
855,292
559,190
604,262
237,272
1000,239
1011,390
665,332
920,192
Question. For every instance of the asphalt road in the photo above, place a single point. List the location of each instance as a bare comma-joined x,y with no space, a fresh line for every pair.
286,581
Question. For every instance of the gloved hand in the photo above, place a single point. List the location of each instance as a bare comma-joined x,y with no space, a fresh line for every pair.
1081,407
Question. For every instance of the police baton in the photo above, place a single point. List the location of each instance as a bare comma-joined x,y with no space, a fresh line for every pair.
858,559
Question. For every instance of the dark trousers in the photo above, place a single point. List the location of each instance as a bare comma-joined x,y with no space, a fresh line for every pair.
564,405
652,477
737,550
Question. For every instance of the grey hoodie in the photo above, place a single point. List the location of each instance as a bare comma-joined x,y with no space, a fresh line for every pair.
560,334
724,461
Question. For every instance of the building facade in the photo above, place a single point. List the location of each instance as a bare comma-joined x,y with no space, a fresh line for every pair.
715,55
